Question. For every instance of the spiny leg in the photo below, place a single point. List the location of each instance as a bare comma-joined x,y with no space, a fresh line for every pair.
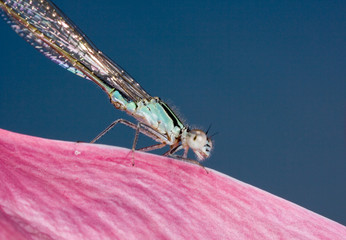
149,148
135,143
171,152
153,147
123,121
140,128
145,129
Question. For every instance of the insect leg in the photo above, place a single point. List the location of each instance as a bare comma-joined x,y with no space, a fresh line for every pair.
123,121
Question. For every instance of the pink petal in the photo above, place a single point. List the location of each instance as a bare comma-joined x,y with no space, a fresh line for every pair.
64,190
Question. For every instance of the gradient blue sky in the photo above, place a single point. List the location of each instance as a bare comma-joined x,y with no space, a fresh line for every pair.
269,75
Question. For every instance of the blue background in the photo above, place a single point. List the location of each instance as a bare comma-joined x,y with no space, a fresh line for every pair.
269,76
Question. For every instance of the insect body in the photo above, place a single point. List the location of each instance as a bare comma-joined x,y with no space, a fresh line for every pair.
46,27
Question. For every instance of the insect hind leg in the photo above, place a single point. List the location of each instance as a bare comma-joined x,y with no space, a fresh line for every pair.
140,128
122,121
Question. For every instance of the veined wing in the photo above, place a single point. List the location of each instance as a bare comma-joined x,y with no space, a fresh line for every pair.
46,27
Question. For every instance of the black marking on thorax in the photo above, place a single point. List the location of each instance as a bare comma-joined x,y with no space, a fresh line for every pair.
170,113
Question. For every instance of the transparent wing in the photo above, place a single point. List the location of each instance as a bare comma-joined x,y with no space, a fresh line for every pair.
45,27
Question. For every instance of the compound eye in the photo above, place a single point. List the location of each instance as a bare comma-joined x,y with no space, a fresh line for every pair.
196,139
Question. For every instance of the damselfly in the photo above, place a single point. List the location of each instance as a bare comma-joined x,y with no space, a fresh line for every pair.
46,27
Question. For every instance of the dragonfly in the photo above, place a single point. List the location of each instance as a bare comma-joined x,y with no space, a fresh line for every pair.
42,24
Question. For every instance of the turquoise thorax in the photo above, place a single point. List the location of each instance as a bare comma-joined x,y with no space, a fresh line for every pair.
152,112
